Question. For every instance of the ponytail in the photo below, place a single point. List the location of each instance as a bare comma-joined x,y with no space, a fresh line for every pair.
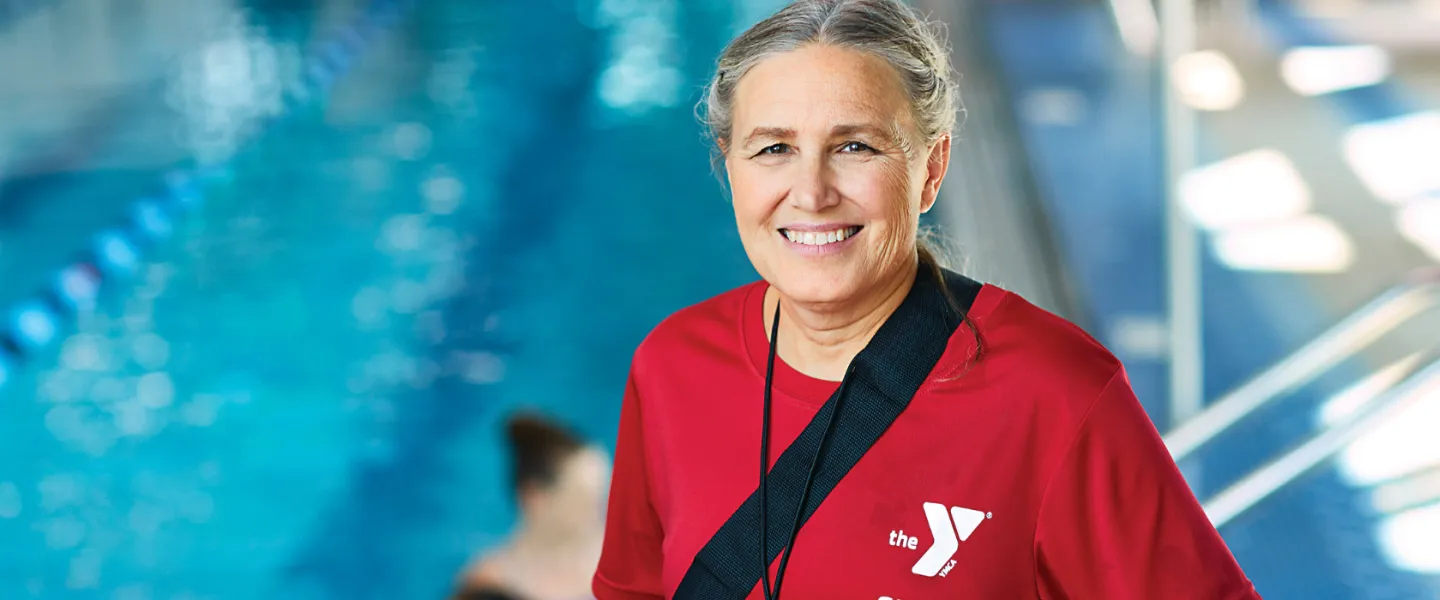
931,262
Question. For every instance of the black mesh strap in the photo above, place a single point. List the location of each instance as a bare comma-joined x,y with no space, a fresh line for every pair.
882,380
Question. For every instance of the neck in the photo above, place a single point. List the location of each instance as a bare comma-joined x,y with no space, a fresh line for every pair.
821,339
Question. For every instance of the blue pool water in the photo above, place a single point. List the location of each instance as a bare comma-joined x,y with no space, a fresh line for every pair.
297,395
367,252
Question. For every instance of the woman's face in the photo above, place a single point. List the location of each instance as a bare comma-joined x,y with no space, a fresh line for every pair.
828,172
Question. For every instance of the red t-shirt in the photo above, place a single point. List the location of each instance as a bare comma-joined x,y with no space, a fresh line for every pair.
1052,476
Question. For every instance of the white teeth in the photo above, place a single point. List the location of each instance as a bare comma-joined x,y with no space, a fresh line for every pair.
811,238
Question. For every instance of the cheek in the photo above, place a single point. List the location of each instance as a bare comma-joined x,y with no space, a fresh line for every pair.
881,191
754,194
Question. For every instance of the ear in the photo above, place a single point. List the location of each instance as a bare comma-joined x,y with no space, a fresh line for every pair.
935,168
725,164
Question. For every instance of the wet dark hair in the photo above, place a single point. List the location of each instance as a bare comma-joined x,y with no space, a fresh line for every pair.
538,446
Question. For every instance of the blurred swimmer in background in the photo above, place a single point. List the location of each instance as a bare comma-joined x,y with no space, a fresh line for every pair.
560,484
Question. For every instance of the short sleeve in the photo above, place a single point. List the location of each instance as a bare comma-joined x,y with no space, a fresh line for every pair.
1118,521
631,560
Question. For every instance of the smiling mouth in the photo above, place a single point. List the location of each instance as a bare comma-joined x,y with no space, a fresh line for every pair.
820,238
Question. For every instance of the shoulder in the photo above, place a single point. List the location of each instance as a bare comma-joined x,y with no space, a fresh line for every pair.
702,328
1049,378
1036,348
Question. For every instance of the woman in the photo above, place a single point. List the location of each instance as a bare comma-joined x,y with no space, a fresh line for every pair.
560,484
1019,463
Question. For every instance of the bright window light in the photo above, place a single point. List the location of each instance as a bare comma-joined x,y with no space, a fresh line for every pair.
1347,402
1252,188
1429,9
1331,9
1307,244
1408,539
1207,80
1409,492
1138,25
1400,445
1315,70
1419,222
1397,158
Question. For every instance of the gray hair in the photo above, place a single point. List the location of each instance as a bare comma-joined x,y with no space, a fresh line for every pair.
888,29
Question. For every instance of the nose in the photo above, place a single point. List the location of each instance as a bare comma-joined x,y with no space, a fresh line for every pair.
813,189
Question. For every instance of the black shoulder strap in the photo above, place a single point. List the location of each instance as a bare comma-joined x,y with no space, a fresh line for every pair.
883,378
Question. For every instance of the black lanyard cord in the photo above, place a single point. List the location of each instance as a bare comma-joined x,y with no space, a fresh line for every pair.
765,457
765,463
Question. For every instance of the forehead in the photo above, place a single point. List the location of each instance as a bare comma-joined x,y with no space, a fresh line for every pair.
818,85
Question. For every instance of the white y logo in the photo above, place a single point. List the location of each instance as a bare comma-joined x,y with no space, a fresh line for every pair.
946,543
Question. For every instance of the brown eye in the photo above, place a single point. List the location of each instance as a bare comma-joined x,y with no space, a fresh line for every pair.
853,147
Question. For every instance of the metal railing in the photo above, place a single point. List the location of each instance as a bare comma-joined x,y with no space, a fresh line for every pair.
1419,293
1386,313
1261,483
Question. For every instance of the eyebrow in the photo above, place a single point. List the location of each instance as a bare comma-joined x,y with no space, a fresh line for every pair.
779,133
880,132
785,133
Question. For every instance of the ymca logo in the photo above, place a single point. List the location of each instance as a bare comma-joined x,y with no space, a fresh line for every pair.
948,529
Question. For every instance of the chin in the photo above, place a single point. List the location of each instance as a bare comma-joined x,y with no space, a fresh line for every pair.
816,288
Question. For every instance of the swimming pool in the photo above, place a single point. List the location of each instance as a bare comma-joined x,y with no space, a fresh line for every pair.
297,395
